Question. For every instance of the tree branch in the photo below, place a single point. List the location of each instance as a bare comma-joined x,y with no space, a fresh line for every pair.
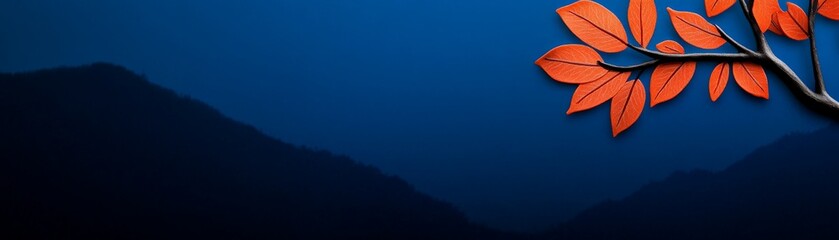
641,66
819,100
660,58
737,45
817,69
747,10
669,57
760,39
820,103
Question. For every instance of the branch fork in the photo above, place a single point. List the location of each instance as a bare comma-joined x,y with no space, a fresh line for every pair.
816,99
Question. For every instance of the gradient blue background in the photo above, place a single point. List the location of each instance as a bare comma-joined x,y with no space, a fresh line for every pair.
442,93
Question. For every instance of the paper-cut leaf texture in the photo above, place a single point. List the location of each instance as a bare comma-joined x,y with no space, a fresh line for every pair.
642,17
572,63
694,29
595,25
671,47
715,7
829,9
627,106
719,79
590,95
763,10
751,78
794,22
668,80
775,26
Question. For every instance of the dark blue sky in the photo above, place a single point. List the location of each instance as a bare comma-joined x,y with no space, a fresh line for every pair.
443,93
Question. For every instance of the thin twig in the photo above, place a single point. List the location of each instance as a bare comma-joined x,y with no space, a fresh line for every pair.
760,39
817,69
660,58
697,57
737,45
629,68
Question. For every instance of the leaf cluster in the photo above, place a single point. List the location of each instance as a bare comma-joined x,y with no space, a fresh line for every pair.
601,30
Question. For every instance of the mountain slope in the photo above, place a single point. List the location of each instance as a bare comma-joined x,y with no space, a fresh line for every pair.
787,190
97,152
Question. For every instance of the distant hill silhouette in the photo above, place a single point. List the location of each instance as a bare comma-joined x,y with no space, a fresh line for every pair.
787,190
97,152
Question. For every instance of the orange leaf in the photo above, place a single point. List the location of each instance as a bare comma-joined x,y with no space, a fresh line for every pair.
829,9
795,22
642,19
752,78
671,47
695,30
627,106
719,79
592,94
595,25
572,63
715,7
775,27
668,80
763,10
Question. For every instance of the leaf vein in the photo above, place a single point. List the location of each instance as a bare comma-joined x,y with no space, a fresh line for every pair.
598,87
629,97
571,62
599,28
697,27
669,79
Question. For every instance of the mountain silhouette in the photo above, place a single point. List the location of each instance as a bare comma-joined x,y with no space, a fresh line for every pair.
786,190
98,152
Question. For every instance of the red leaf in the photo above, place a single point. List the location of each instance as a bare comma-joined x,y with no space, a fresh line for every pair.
752,78
775,27
642,19
627,106
593,94
668,80
795,22
573,64
763,10
715,7
671,47
694,29
595,25
829,9
719,79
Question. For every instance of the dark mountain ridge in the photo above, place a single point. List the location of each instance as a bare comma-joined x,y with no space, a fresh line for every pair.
785,190
98,152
